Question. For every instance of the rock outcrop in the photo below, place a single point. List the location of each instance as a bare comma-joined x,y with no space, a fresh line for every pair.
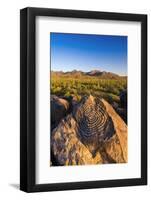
92,134
59,108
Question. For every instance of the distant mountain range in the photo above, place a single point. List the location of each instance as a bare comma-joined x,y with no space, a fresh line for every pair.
93,73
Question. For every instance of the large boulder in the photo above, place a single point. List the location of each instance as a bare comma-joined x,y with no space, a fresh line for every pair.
92,134
59,108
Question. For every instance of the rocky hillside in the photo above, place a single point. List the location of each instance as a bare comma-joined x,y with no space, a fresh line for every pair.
88,132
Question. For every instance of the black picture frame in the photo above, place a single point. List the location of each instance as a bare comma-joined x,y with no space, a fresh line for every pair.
28,98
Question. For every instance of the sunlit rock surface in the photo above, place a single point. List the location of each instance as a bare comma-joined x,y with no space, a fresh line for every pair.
93,133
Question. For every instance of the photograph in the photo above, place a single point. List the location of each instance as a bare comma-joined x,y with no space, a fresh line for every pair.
88,99
83,99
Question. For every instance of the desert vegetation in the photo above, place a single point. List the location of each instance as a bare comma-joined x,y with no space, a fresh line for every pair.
78,85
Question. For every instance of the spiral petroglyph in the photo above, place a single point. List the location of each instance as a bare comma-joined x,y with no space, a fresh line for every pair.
94,123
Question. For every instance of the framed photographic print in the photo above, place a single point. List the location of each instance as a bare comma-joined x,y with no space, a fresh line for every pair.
83,99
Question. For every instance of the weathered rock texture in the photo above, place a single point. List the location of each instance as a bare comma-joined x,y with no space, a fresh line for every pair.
120,128
67,148
92,134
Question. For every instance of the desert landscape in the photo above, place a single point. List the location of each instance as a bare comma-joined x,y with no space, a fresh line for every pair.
88,99
88,118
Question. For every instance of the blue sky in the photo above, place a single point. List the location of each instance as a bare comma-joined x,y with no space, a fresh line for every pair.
87,52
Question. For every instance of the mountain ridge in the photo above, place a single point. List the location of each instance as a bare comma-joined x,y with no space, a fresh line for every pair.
92,73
